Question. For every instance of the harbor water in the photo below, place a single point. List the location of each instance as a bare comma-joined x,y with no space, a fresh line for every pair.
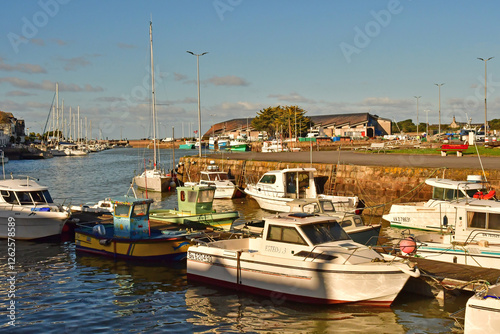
60,291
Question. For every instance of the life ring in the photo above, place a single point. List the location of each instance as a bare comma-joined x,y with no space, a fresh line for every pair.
480,195
183,196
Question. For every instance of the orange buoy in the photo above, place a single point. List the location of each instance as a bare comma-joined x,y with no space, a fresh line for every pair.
408,245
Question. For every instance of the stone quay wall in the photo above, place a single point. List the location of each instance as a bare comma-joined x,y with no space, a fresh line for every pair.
377,186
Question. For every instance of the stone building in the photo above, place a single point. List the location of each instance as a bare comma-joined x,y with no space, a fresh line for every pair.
10,127
345,125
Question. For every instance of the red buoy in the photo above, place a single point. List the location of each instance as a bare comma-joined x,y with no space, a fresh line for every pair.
408,245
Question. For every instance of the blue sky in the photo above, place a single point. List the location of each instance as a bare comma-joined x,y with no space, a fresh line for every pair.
328,57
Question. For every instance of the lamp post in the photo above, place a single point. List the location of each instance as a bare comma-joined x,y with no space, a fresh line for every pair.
439,129
485,93
427,121
199,107
417,97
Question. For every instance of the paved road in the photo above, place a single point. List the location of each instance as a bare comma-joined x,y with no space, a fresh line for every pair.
369,159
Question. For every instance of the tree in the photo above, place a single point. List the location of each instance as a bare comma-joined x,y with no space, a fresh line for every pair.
283,120
494,124
404,126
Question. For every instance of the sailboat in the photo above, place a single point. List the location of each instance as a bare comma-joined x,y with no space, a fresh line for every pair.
154,179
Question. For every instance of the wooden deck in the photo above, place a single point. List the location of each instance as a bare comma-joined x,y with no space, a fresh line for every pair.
437,277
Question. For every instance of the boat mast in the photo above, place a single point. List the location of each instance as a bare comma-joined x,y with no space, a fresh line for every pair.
153,93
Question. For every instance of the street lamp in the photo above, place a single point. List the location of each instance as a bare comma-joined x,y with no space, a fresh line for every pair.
439,129
417,97
199,107
427,121
485,93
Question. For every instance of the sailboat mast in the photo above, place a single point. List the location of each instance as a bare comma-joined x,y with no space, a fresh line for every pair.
57,110
153,93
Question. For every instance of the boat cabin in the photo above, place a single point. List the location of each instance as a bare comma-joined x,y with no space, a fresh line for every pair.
24,192
449,190
131,217
195,199
290,183
300,229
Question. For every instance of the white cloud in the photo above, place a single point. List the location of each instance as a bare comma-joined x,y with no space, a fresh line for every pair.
228,80
49,85
293,97
26,68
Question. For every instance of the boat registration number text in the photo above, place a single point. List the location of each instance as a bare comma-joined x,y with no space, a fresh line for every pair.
401,219
199,257
275,249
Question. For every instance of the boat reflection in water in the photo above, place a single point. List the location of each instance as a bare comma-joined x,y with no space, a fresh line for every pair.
214,309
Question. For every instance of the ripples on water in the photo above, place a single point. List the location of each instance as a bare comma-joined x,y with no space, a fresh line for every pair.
58,291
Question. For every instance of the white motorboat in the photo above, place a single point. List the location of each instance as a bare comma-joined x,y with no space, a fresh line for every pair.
73,150
351,222
437,213
154,179
304,258
104,206
482,311
278,187
27,210
273,146
224,185
473,238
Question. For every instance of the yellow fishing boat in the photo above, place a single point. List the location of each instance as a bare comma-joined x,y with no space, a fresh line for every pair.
130,235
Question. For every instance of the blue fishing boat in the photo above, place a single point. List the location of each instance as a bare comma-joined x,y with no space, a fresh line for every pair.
130,235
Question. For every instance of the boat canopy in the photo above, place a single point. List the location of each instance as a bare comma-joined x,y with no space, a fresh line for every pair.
447,189
197,199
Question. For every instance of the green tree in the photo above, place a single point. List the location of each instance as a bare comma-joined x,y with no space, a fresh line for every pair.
494,124
404,126
282,119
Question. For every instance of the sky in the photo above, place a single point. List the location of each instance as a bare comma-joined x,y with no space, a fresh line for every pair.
326,56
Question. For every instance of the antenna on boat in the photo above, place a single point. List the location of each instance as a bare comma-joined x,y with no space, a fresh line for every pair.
480,162
3,164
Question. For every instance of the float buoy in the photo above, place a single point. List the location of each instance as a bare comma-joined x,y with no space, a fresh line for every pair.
408,246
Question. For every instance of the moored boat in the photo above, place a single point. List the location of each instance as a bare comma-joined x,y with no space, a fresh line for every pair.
351,222
195,206
130,235
482,311
27,210
438,213
278,187
224,185
304,258
473,238
188,145
155,178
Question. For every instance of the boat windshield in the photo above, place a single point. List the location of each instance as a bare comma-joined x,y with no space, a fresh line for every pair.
327,206
217,177
47,196
9,197
205,196
452,194
140,210
320,233
270,178
28,197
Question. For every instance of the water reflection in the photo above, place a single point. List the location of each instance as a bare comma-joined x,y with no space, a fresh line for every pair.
214,309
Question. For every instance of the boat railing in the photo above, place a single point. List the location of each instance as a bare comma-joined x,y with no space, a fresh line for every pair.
209,239
476,232
27,177
313,255
268,192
